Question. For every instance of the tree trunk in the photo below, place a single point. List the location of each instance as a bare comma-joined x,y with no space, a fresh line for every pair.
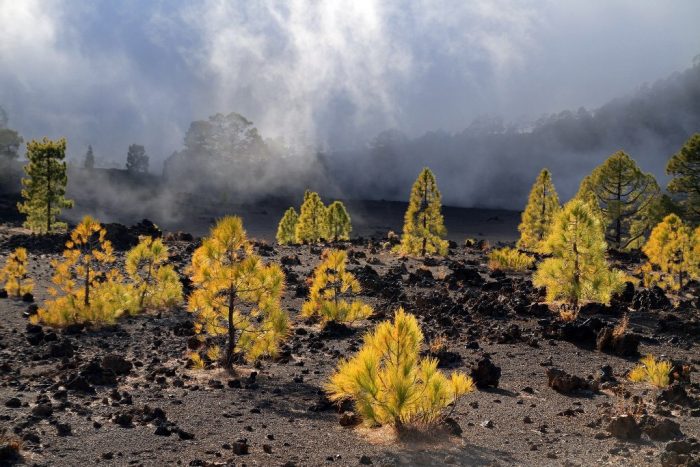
87,284
228,361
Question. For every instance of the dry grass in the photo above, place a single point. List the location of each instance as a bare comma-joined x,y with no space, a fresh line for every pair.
653,371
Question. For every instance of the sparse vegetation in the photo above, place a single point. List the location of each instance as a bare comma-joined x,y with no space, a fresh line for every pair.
45,186
542,206
14,274
423,228
332,285
237,296
390,384
653,371
510,259
578,269
286,231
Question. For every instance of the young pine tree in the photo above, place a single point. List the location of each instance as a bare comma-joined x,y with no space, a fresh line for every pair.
286,230
670,253
578,269
684,167
312,225
89,162
45,186
157,285
136,159
332,284
623,194
423,228
339,225
14,273
237,295
86,288
389,382
542,206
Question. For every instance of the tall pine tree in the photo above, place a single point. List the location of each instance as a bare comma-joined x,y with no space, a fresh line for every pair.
312,226
338,219
542,206
684,167
623,194
89,159
423,228
577,269
45,186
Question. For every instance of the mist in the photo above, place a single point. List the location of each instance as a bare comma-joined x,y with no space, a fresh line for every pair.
354,98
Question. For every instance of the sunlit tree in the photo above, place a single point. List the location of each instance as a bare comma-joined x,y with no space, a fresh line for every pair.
312,226
623,194
390,383
339,226
670,253
14,273
45,185
578,269
423,228
236,295
332,289
286,230
157,284
86,286
537,218
684,167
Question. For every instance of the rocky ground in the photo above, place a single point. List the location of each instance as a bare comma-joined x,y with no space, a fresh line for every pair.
551,393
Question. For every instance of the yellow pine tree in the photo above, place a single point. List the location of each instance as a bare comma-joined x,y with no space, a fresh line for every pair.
14,273
670,253
542,206
286,231
423,228
389,382
578,269
157,285
338,219
331,285
236,295
312,225
45,186
86,289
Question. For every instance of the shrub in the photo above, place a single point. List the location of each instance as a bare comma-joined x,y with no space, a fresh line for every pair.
157,284
237,296
423,228
14,273
390,384
510,259
332,284
86,289
286,230
652,371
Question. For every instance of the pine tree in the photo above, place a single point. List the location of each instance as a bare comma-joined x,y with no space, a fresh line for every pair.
45,186
578,269
156,283
236,294
14,273
86,288
312,225
286,231
332,284
423,228
670,253
684,167
89,159
339,226
542,206
136,159
623,193
389,382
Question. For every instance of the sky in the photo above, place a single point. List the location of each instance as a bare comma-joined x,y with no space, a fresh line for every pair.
333,73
